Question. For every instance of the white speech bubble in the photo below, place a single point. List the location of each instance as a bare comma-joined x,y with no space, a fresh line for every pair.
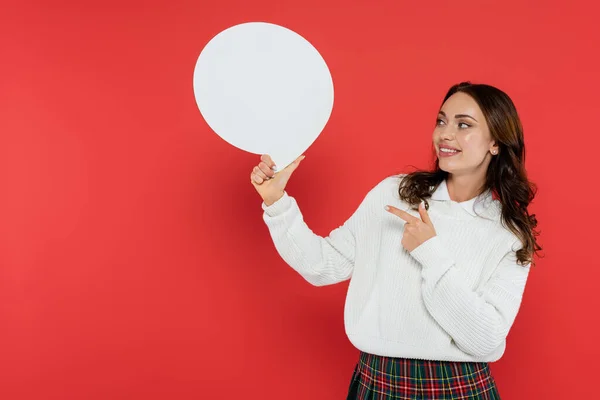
264,89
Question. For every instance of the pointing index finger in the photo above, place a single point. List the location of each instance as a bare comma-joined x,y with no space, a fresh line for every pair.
402,214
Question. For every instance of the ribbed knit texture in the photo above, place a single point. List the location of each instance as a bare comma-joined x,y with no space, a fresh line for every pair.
453,298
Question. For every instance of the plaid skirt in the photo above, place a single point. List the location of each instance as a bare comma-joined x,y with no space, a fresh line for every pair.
386,378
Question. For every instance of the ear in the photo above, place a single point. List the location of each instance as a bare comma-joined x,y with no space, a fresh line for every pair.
494,149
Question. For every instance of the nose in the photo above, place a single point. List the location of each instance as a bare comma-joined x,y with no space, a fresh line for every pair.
447,133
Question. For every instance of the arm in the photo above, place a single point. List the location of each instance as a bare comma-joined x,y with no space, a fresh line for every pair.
321,261
477,321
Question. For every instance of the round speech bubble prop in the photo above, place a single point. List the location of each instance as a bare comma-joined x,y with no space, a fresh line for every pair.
264,89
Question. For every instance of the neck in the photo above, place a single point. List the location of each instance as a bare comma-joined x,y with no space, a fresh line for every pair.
463,188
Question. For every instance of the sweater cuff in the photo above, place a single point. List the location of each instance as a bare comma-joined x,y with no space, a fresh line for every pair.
279,207
432,254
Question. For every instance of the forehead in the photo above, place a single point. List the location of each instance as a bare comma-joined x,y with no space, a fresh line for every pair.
461,103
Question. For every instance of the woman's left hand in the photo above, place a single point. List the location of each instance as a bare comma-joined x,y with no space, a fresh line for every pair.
416,230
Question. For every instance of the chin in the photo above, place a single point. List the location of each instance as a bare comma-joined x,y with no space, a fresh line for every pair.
447,166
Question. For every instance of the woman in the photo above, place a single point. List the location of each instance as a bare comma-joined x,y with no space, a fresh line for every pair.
437,261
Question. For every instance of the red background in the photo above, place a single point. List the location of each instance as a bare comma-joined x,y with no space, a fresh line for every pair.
134,260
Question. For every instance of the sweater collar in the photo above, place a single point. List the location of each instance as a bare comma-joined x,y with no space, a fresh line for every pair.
475,206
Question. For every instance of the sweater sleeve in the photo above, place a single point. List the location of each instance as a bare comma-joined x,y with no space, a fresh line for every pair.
320,260
478,321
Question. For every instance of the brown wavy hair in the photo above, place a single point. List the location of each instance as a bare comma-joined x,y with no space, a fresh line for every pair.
506,175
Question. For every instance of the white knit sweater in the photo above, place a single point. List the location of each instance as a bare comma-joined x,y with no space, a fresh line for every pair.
453,298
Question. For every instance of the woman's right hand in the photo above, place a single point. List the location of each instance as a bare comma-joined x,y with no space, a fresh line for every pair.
270,185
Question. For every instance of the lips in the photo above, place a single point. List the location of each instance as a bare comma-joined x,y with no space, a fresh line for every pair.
446,147
447,151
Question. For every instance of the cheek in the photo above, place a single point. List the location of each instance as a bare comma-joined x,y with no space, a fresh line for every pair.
472,141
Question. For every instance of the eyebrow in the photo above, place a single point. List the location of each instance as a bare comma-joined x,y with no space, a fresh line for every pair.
459,116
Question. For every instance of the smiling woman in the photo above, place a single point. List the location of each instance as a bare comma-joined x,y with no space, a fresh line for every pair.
433,293
436,288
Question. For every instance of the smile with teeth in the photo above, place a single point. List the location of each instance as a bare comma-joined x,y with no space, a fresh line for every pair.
445,150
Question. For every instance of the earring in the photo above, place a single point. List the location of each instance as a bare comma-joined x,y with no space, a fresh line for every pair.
494,152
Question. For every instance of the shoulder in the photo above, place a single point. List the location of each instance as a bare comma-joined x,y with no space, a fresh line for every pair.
501,233
387,186
385,191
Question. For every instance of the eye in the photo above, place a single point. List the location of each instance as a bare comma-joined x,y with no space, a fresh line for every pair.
463,125
439,122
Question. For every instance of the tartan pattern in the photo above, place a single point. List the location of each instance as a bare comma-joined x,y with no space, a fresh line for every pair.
389,378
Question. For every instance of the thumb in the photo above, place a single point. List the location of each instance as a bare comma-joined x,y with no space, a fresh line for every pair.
289,170
424,215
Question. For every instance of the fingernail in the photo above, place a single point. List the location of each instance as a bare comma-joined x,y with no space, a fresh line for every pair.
422,204
387,208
